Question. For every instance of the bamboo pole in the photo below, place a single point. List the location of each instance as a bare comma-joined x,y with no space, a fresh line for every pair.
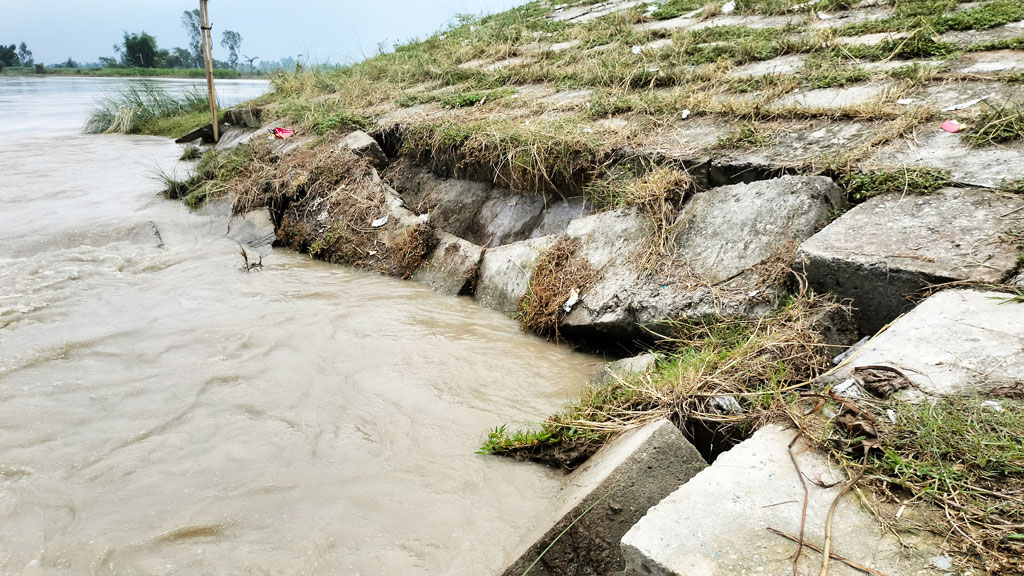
204,18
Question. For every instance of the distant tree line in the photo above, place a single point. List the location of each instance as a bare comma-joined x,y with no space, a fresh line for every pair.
140,50
11,56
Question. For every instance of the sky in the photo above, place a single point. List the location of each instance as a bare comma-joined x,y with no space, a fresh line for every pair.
323,31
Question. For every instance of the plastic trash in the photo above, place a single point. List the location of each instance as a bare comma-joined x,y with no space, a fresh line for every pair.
951,126
904,101
574,297
379,221
728,7
637,49
685,114
282,133
967,104
823,16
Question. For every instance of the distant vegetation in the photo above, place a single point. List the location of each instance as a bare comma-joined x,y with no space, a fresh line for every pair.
139,54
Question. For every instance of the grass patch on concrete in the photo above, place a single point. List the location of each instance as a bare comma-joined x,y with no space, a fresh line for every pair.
997,125
860,186
962,454
736,373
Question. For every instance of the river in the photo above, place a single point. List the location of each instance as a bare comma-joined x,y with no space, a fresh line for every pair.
163,412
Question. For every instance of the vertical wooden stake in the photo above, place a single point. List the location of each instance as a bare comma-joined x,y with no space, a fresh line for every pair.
204,18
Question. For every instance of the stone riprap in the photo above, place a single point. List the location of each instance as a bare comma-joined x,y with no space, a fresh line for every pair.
608,494
452,266
893,246
717,523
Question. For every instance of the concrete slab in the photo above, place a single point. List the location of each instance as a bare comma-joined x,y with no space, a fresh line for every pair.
870,39
953,94
451,266
774,67
509,62
989,62
955,342
566,98
717,523
677,23
985,166
966,38
795,144
837,98
582,14
894,245
613,490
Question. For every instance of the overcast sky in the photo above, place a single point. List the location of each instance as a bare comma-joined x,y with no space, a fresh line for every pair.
339,31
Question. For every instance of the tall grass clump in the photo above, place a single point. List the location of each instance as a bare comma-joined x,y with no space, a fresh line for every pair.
140,103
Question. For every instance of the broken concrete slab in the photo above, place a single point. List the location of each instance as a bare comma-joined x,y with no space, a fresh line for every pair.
364,145
505,273
613,490
452,266
986,166
717,523
893,245
955,342
729,229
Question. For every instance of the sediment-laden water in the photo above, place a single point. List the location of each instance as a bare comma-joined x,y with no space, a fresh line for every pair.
163,412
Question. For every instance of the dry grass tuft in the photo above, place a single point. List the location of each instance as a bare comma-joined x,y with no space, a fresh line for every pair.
558,273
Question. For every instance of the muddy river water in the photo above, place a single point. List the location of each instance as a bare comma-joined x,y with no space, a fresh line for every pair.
164,412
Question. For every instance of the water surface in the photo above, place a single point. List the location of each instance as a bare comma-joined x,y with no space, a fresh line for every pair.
163,412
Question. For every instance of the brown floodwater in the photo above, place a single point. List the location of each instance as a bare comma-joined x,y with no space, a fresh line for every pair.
164,412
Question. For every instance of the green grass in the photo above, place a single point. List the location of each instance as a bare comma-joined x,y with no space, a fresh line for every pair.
997,125
209,178
145,105
860,186
966,456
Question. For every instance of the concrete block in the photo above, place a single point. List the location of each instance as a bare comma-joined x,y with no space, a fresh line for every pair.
633,365
451,266
254,228
726,230
620,482
505,273
364,145
894,245
955,342
717,523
